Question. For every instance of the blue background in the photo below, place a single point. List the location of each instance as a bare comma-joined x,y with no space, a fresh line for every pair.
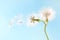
9,8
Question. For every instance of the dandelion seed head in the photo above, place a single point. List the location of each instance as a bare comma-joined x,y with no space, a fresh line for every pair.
47,13
29,20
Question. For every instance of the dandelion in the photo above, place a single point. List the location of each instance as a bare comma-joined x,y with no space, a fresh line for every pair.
33,20
47,14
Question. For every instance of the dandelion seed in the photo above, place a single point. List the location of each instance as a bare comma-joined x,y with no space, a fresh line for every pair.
11,23
18,22
18,19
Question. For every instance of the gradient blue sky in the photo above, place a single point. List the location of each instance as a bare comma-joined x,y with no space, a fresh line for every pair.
9,8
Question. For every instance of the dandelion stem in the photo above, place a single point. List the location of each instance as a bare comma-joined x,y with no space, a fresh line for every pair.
45,25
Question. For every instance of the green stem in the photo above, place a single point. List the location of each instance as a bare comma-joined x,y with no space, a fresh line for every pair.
45,25
45,31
